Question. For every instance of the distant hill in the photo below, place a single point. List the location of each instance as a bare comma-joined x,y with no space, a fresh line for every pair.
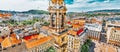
26,12
95,13
106,11
36,12
46,12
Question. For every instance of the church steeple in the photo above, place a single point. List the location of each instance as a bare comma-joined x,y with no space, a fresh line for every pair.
57,11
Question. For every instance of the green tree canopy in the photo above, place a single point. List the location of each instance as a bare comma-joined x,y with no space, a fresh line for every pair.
85,47
51,49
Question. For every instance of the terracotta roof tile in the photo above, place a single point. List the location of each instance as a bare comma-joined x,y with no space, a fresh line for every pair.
6,42
30,37
37,42
14,40
71,32
76,26
1,39
40,36
5,15
9,41
115,28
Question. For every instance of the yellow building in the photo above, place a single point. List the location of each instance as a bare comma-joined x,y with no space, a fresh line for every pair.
94,20
76,35
38,43
111,24
12,44
57,11
113,32
78,23
73,41
81,21
113,36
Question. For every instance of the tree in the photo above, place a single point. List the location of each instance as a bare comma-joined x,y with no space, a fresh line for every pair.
85,47
46,23
3,21
88,42
51,49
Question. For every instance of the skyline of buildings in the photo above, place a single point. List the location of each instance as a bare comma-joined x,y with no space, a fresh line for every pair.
59,31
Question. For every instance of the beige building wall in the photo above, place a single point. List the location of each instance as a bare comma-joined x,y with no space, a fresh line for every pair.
113,37
73,44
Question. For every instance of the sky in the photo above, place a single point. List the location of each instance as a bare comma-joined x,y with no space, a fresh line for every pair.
72,5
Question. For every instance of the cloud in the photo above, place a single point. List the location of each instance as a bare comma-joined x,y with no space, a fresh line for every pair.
88,5
23,5
92,1
72,5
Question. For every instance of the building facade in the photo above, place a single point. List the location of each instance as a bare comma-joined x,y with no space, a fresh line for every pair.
57,12
75,40
93,31
41,44
113,31
113,36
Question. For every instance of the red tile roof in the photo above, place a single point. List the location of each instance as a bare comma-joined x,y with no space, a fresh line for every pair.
1,39
38,42
9,41
30,37
80,31
72,32
5,15
68,22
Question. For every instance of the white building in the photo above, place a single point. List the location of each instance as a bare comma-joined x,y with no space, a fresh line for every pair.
4,31
93,30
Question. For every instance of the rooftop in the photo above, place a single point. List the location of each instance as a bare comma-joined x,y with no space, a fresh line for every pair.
94,27
9,41
5,15
116,28
74,33
1,39
113,19
80,31
30,37
68,22
76,26
95,20
113,23
38,42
